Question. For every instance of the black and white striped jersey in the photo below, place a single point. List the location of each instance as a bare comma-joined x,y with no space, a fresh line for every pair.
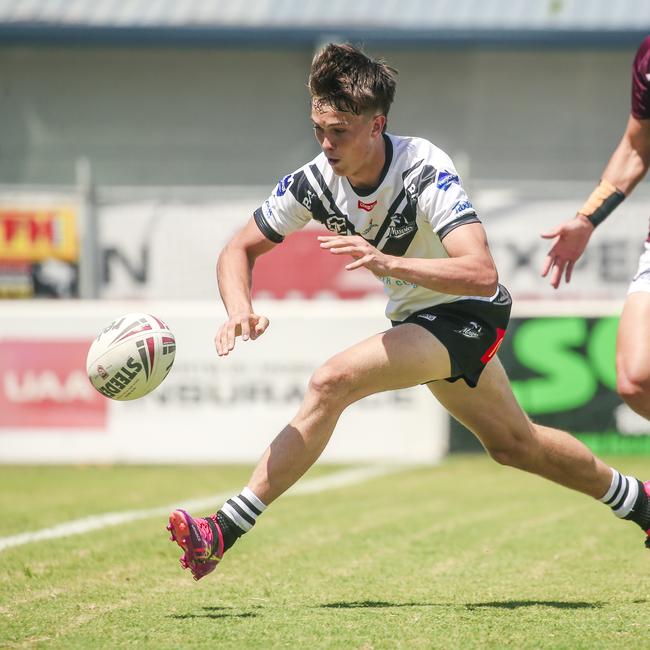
419,199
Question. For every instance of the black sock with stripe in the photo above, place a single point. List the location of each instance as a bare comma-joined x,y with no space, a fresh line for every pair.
238,515
628,499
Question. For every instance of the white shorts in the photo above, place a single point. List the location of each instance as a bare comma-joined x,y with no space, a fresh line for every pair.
641,281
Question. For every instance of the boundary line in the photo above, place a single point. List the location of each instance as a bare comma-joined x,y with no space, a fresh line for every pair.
96,522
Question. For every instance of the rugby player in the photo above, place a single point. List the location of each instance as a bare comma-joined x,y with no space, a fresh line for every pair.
627,166
396,206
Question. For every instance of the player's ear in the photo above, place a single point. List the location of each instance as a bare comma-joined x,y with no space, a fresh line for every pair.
378,124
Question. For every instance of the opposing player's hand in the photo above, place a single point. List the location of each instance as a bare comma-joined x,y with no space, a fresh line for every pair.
363,252
572,238
247,325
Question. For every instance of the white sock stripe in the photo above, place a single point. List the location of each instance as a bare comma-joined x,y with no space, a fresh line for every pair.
633,492
613,488
252,497
245,507
231,513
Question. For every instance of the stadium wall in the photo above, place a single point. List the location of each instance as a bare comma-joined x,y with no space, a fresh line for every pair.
239,116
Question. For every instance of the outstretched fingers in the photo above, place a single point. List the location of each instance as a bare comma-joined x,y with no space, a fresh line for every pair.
248,326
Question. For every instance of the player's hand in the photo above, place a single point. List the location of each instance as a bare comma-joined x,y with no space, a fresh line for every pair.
572,238
363,252
247,325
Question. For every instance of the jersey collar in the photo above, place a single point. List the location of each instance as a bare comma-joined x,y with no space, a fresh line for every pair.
367,191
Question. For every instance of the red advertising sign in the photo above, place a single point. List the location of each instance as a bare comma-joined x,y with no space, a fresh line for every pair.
36,234
299,268
43,384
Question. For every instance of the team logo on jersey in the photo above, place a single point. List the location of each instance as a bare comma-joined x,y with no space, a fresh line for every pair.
400,226
445,180
283,185
366,206
461,206
336,224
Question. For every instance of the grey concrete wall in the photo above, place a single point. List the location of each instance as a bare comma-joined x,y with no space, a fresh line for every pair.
147,116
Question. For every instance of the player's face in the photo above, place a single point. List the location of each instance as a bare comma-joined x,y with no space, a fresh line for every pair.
349,141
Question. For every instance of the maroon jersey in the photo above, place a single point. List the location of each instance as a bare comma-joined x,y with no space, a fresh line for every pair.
641,81
641,85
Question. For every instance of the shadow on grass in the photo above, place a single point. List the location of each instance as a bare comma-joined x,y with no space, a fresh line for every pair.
497,604
214,613
376,604
516,604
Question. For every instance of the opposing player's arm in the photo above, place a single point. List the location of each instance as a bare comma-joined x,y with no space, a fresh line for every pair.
468,271
234,277
627,166
631,158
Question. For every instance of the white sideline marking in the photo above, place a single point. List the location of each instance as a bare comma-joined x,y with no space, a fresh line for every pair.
95,522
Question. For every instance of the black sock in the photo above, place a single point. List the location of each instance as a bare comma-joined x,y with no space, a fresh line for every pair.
640,513
230,531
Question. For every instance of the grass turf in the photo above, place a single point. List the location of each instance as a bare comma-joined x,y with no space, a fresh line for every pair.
464,555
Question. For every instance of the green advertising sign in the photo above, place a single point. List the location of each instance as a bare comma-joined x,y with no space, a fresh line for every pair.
563,373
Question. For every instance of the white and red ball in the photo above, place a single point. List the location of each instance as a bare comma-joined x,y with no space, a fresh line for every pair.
131,356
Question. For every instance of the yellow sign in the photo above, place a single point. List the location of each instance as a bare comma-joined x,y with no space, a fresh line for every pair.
37,234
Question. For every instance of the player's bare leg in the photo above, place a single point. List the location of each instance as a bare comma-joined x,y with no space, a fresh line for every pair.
633,353
398,358
491,412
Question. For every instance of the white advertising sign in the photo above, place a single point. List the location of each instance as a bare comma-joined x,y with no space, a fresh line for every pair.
167,249
208,409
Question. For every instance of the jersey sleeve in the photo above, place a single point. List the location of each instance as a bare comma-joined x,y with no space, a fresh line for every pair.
445,203
282,213
641,82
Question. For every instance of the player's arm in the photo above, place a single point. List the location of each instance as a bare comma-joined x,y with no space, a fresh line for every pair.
468,271
234,277
627,166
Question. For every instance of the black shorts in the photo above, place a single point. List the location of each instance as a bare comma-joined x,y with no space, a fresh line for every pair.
471,330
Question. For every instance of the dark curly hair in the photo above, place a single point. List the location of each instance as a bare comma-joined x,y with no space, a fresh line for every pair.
343,77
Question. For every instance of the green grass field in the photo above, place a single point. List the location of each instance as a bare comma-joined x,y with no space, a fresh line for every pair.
465,555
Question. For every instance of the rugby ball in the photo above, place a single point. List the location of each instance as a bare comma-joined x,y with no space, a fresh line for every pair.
131,356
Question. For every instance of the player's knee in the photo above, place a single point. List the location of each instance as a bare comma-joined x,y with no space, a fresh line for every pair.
330,383
515,451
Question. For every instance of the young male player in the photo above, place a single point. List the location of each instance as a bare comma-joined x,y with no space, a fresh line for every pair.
449,313
627,166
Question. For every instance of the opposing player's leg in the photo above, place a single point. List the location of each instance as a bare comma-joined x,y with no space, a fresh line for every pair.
491,412
401,357
633,352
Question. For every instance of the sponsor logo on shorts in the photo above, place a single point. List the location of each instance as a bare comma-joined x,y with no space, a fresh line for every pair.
429,317
471,331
